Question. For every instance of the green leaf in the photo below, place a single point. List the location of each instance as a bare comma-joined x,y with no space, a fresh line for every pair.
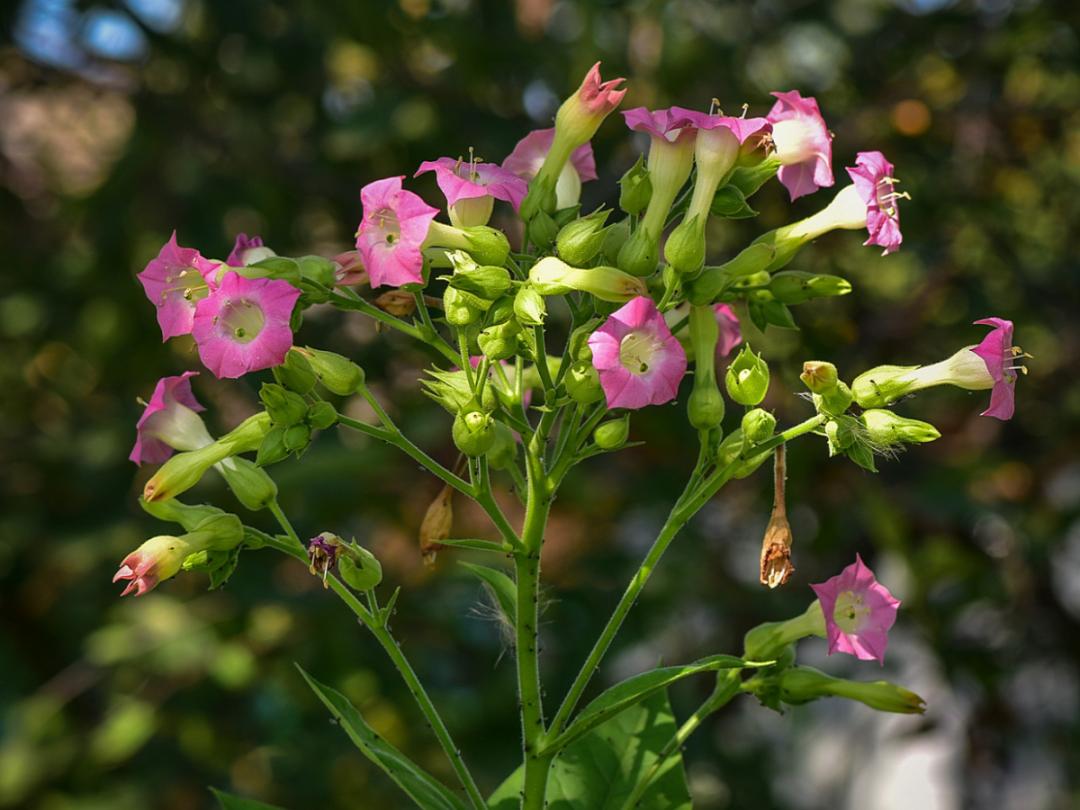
730,203
634,690
501,586
230,802
421,787
600,770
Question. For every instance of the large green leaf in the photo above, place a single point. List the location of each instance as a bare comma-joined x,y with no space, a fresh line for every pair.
421,787
599,770
230,802
633,690
501,586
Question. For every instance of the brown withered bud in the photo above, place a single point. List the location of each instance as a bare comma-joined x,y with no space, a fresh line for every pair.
396,302
436,525
350,270
776,567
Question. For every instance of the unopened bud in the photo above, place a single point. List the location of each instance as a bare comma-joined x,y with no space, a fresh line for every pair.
488,246
251,484
579,241
582,383
640,254
529,306
612,435
615,237
795,287
500,342
473,433
541,230
819,376
705,407
461,308
297,438
835,400
758,425
295,373
183,471
635,188
887,428
802,684
552,276
285,407
685,247
338,374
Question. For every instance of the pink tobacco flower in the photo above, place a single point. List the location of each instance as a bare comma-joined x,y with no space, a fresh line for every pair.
730,332
1001,358
174,282
169,422
873,177
803,144
529,153
244,325
461,180
671,125
639,361
154,561
596,97
391,233
858,612
742,128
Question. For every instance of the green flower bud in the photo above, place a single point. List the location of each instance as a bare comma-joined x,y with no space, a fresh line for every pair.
685,247
273,449
501,311
887,428
758,425
579,241
819,376
297,438
747,378
834,401
358,567
635,188
541,230
640,254
338,374
295,373
183,471
795,287
322,415
190,516
285,407
612,435
802,684
500,342
486,281
473,432
503,452
583,383
460,307
615,237
705,407
452,390
730,448
529,306
552,276
249,483
487,245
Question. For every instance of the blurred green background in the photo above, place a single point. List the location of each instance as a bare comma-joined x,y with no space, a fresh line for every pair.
121,121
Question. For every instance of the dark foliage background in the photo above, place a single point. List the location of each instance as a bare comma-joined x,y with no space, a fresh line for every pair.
121,121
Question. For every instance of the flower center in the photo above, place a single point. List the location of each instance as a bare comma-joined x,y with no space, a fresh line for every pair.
887,196
187,282
1013,361
636,352
241,320
851,611
386,220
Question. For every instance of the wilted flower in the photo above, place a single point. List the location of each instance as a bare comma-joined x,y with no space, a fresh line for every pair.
170,422
803,144
528,156
639,361
322,554
244,325
874,181
1002,362
175,281
858,612
390,236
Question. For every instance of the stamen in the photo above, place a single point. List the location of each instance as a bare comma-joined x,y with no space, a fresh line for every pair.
142,401
745,110
714,106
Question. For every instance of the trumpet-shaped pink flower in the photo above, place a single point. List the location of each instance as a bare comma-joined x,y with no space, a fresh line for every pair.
730,332
462,180
391,234
742,128
1001,358
529,153
154,561
858,612
673,124
244,325
175,281
242,244
803,144
169,422
639,361
873,177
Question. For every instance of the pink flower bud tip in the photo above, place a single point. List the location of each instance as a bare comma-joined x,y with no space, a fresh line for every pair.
390,236
600,97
